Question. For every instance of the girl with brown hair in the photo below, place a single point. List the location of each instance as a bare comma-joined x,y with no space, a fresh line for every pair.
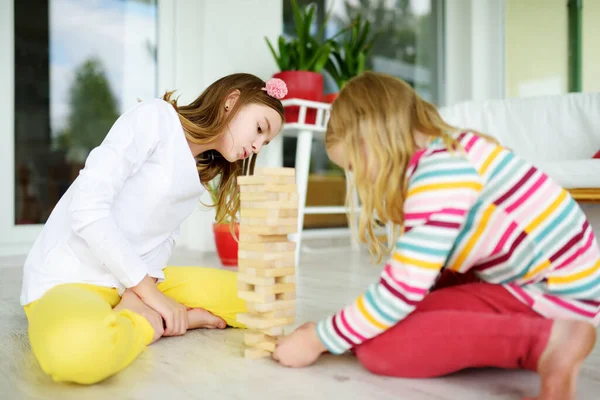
96,286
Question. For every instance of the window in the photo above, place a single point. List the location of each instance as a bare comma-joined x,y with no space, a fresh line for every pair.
78,65
409,46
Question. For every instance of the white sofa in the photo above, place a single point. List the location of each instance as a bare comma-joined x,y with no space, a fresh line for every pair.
559,134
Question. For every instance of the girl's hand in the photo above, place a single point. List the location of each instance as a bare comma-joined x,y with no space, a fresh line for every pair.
131,301
173,313
301,348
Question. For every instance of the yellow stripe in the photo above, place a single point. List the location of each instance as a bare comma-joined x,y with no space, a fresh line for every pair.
474,238
486,164
365,313
540,218
440,186
537,269
575,277
413,261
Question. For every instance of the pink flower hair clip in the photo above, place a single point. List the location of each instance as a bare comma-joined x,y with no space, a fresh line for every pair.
276,88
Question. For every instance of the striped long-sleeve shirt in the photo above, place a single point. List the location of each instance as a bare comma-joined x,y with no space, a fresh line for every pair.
485,210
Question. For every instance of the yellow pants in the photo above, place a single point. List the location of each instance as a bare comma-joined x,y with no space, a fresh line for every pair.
77,337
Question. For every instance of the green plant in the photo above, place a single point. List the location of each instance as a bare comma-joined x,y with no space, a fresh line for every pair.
349,55
303,52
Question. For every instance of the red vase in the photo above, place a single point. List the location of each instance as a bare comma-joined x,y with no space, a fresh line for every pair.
329,98
227,247
304,85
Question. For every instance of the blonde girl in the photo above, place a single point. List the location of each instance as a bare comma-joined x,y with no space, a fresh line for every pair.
96,286
495,265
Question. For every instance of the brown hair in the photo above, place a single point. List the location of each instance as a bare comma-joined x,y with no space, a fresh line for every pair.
204,120
381,113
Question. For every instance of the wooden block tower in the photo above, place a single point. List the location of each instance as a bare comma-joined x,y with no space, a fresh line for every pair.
266,258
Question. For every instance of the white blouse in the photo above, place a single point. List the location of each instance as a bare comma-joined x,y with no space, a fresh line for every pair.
119,219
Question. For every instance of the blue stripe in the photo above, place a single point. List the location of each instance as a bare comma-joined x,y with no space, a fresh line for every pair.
578,289
373,303
443,172
328,339
426,236
505,161
420,249
556,221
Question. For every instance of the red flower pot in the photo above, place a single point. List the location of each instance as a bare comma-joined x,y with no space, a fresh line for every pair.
304,85
227,247
330,98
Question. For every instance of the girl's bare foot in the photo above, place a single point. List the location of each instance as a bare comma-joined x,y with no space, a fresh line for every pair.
569,345
200,318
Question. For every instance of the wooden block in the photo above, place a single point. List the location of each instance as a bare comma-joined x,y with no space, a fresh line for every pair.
275,289
275,305
271,171
274,272
269,221
266,288
261,255
265,180
275,247
267,196
274,331
268,213
265,264
269,188
260,341
286,279
253,353
253,238
256,321
255,280
284,312
255,297
285,296
269,230
287,205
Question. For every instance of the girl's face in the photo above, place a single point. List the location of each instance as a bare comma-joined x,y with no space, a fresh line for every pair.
253,127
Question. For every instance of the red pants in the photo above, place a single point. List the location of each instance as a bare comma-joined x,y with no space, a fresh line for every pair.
461,324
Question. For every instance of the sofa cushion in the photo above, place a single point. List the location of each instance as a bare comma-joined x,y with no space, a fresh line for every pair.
573,174
539,129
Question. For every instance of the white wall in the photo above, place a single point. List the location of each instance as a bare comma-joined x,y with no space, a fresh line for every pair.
473,50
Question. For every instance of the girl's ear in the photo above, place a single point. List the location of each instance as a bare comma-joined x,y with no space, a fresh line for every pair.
231,99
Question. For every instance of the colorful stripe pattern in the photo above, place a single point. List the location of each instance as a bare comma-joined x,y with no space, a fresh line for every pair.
487,211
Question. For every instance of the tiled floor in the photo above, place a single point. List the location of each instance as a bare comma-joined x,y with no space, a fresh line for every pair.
208,365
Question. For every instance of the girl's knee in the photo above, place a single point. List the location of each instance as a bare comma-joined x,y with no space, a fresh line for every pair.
379,359
74,350
71,336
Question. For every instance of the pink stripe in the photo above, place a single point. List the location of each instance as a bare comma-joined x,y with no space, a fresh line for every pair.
409,289
426,215
521,294
479,152
527,194
504,238
428,201
471,142
569,306
415,158
360,337
535,204
579,252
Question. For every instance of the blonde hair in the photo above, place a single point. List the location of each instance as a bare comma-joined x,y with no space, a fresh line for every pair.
204,121
379,114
